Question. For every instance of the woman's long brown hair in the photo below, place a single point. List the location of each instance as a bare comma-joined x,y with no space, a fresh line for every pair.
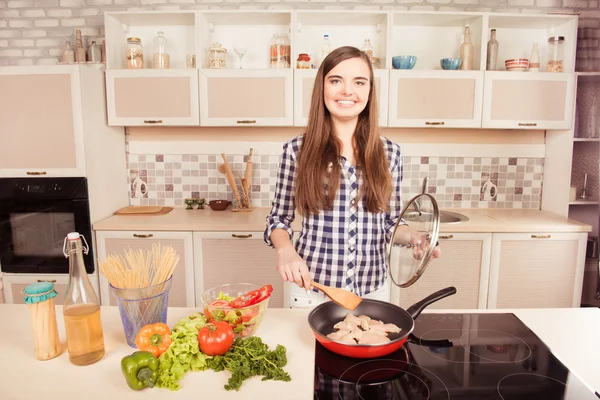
316,184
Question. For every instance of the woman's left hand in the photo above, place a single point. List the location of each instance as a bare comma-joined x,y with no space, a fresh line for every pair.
420,244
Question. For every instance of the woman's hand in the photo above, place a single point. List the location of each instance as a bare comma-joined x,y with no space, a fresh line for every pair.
419,243
292,267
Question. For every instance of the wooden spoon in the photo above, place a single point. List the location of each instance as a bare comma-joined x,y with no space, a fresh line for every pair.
341,297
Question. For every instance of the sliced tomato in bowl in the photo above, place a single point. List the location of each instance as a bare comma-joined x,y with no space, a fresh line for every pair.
220,303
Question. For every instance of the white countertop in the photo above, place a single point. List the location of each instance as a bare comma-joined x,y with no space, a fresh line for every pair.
571,334
480,220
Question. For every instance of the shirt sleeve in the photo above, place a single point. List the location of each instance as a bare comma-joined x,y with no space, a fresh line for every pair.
282,212
396,198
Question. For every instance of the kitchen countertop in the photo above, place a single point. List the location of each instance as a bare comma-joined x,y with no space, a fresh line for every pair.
571,334
480,220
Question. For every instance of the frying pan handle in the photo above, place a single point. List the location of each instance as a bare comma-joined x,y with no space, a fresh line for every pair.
430,343
416,309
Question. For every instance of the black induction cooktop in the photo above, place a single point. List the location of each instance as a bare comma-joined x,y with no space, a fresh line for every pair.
453,356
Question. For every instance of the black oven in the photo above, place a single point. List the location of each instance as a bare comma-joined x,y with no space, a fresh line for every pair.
36,214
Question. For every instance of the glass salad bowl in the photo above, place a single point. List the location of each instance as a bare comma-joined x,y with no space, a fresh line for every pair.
242,305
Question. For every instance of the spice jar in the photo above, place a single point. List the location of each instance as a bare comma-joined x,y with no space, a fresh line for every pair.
303,61
39,297
280,52
556,49
217,56
134,53
161,59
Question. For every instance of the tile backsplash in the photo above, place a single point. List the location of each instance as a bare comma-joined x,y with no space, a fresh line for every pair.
455,182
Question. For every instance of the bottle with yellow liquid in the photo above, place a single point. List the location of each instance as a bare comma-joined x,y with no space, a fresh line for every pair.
81,309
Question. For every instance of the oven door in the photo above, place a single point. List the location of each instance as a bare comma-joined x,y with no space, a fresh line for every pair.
32,235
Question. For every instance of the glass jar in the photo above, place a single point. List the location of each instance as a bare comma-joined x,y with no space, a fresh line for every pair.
556,49
161,58
134,53
303,61
368,49
39,298
217,56
280,52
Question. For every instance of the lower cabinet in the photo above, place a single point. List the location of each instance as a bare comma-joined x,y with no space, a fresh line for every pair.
181,293
464,264
536,270
14,284
235,257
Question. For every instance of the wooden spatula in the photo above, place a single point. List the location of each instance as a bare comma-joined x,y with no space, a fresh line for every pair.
341,297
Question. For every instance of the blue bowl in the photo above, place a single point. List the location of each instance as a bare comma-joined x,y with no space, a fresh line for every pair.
404,62
451,63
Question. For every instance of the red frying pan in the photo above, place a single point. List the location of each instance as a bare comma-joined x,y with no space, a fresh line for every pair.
323,317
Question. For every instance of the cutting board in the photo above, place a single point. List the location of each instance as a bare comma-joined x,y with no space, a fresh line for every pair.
144,210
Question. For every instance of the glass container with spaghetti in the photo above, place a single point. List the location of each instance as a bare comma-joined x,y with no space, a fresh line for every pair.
140,283
81,308
39,297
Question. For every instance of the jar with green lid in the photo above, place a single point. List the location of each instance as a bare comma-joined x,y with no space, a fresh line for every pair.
39,297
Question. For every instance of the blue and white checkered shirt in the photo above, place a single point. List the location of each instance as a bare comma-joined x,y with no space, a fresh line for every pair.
344,247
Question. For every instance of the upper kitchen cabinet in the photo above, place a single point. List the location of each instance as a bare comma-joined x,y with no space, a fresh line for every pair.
304,80
41,120
151,94
245,77
531,100
152,97
257,97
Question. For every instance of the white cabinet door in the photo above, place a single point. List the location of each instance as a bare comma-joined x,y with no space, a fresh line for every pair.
304,80
235,257
181,293
464,264
445,99
536,270
152,97
527,100
41,122
238,97
15,283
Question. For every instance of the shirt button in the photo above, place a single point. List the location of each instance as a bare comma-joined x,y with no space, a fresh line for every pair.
352,248
353,202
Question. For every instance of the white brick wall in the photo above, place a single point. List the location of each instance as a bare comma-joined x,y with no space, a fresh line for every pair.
33,31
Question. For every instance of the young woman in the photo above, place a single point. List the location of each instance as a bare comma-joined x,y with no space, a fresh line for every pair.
344,179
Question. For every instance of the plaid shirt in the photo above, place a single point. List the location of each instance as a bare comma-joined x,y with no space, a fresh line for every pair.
346,246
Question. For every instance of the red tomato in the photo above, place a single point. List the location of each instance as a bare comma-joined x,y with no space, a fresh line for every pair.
248,316
220,303
215,338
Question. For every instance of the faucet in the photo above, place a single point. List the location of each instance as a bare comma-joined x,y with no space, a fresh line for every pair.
417,203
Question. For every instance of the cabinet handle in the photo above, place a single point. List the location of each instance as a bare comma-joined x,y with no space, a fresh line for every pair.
434,123
241,236
141,236
36,172
246,121
446,237
42,280
527,124
541,236
153,121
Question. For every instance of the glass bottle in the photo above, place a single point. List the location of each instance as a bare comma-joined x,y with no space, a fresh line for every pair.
325,48
161,58
79,49
81,309
134,53
68,55
534,59
94,53
39,298
368,48
466,51
492,52
280,52
556,50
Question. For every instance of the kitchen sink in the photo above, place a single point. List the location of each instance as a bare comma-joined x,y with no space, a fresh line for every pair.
446,217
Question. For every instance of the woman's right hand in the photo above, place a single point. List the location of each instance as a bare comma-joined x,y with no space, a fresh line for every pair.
292,267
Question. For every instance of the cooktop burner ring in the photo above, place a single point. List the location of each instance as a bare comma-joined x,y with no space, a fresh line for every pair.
522,374
403,371
467,346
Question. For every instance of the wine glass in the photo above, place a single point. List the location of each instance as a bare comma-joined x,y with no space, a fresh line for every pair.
240,50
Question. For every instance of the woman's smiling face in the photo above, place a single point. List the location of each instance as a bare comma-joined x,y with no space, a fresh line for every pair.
346,89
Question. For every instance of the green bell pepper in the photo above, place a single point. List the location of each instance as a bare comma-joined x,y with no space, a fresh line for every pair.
140,369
